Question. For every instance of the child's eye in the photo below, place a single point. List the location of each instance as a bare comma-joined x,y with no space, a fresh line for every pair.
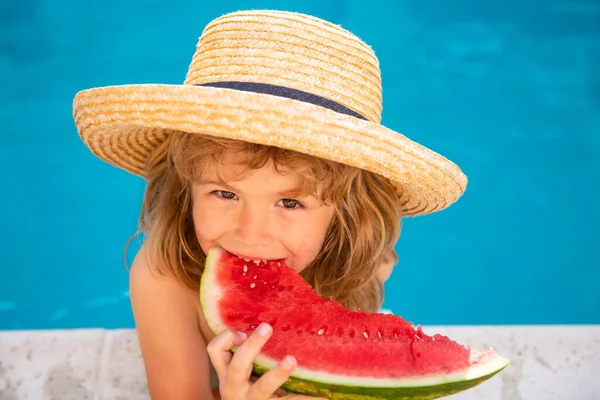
224,194
291,203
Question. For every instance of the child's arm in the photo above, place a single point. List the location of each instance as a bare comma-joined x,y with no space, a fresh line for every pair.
172,345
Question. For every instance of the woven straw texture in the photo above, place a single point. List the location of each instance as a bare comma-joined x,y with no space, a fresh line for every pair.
123,124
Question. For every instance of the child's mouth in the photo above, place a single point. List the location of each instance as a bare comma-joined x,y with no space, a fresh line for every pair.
255,259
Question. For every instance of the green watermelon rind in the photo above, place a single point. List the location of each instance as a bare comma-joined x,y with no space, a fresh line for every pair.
492,365
345,392
349,388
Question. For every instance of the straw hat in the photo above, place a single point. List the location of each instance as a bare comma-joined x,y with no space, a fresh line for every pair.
275,78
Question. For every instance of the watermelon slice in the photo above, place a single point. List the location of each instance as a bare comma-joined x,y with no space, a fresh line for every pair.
341,354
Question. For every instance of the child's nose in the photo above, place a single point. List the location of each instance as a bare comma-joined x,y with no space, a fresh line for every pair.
253,227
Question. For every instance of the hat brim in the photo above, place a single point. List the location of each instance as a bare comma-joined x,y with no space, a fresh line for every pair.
123,124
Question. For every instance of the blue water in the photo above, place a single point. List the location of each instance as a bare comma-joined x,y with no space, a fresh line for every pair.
509,90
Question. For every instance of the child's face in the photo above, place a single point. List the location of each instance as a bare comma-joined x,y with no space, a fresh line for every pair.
257,218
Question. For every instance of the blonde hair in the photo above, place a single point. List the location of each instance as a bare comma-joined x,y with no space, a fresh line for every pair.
360,239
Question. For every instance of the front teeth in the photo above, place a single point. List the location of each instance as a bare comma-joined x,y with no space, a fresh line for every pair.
254,261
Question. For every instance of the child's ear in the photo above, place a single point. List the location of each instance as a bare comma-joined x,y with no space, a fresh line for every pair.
387,265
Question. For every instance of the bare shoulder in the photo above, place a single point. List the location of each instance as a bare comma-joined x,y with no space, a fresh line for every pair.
142,277
168,327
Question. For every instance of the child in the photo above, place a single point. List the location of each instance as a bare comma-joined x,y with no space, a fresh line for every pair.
272,148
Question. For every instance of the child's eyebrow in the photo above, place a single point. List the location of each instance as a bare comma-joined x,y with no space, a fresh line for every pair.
204,182
294,192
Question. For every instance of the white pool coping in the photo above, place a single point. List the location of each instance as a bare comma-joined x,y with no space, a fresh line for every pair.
549,362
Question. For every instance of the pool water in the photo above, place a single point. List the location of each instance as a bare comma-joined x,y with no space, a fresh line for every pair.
510,91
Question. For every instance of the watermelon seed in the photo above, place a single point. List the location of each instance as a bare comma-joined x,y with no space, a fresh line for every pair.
252,285
321,332
365,334
245,259
257,262
265,282
254,277
278,264
379,333
245,269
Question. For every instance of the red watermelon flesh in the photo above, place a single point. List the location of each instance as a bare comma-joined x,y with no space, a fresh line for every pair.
331,343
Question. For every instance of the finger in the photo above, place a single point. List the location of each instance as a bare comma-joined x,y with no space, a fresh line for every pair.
271,381
219,349
240,367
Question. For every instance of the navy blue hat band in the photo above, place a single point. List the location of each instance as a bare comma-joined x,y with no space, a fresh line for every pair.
287,92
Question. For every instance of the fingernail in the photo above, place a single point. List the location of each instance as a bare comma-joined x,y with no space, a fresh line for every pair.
264,329
288,363
242,335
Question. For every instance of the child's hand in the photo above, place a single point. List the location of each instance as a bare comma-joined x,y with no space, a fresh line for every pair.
234,370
